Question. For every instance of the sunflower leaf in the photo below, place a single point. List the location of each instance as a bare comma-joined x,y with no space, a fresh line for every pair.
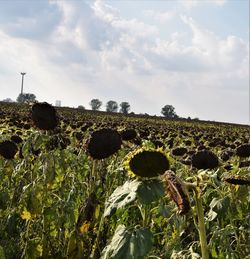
149,191
121,196
127,244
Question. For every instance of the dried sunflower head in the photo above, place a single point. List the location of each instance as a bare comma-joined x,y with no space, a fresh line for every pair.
128,134
205,159
237,180
17,139
44,116
179,151
243,150
147,162
103,143
8,149
177,191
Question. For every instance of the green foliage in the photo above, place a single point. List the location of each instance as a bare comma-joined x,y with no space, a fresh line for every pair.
150,191
168,111
2,255
95,104
81,107
129,244
111,106
26,98
122,196
124,107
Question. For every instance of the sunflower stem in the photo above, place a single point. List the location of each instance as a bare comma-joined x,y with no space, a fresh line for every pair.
97,240
201,224
93,176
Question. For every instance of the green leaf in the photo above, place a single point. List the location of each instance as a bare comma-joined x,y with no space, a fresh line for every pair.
4,197
121,196
39,140
75,247
142,241
119,244
149,191
34,248
214,253
2,255
127,244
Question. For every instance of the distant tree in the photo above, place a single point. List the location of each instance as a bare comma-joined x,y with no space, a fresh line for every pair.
168,112
81,107
26,98
111,106
7,100
95,104
124,107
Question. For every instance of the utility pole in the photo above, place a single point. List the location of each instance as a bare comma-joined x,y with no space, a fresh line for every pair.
23,74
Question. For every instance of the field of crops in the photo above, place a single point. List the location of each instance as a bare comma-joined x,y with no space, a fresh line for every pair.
81,184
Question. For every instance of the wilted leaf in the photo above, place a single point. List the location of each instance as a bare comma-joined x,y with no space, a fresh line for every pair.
215,202
211,215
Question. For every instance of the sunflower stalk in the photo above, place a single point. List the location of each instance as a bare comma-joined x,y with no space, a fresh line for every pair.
145,214
201,225
178,190
97,240
93,176
200,215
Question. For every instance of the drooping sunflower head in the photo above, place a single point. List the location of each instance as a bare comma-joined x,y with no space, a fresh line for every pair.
8,149
237,180
44,116
243,150
204,159
103,143
147,162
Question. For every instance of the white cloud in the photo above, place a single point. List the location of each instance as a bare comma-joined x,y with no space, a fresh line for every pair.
93,52
222,54
34,21
189,4
220,2
161,17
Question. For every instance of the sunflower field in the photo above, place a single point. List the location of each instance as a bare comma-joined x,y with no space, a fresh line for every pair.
86,185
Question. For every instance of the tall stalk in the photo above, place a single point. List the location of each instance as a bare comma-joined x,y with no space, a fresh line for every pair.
201,224
200,214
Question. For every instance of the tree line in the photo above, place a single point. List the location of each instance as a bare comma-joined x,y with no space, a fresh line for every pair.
111,106
167,111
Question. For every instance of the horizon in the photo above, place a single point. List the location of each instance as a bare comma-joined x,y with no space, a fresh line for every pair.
189,54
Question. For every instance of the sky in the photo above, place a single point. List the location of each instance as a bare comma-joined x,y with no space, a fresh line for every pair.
193,55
